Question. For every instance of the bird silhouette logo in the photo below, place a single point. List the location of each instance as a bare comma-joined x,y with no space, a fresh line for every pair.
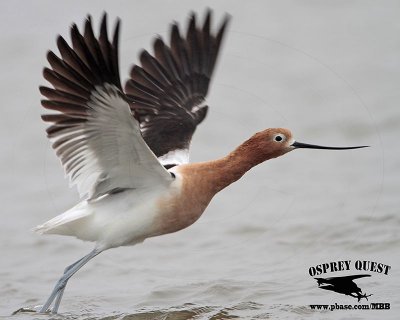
344,285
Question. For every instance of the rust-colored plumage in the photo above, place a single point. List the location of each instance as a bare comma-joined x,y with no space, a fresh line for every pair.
198,182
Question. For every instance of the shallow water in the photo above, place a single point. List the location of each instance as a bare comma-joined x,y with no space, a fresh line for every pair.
329,71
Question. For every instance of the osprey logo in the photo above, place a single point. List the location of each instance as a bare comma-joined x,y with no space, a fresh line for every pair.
344,285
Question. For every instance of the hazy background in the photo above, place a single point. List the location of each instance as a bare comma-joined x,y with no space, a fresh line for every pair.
328,70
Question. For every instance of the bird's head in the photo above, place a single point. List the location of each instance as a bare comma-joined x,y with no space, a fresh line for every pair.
278,141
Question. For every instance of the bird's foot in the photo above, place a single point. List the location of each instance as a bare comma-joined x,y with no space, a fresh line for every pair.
33,309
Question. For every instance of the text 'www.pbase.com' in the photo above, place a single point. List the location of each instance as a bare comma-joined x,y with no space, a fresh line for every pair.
336,306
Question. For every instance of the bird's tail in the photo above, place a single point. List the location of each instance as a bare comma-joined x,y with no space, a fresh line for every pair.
61,224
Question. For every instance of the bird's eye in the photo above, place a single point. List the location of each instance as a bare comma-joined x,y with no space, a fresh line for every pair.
279,137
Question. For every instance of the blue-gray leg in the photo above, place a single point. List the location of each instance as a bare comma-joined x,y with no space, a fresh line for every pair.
60,294
60,285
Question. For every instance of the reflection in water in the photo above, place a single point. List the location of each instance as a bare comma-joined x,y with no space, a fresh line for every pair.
188,311
185,312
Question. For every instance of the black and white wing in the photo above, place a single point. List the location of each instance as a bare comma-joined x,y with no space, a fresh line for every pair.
169,88
94,132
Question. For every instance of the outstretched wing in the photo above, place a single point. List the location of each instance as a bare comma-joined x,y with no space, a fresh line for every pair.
168,89
94,132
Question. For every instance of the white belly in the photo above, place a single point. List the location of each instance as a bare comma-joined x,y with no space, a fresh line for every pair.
129,217
121,219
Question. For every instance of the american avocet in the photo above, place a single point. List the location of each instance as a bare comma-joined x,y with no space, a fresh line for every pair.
127,150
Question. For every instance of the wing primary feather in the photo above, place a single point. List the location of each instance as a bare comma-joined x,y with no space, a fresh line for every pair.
62,83
66,71
205,32
90,38
104,44
179,52
193,45
80,48
153,67
61,96
72,59
59,117
168,90
141,91
218,41
139,88
64,107
94,133
163,54
114,55
145,78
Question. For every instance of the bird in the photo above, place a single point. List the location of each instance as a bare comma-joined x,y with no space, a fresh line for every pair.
126,149
344,285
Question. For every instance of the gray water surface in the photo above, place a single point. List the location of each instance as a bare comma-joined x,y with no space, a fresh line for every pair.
328,70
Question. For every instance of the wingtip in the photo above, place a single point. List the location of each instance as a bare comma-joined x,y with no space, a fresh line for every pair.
227,17
46,72
43,90
158,41
207,19
38,229
50,55
117,23
144,54
74,26
117,28
61,43
192,21
88,24
104,17
59,39
174,31
225,23
192,15
208,11
103,26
